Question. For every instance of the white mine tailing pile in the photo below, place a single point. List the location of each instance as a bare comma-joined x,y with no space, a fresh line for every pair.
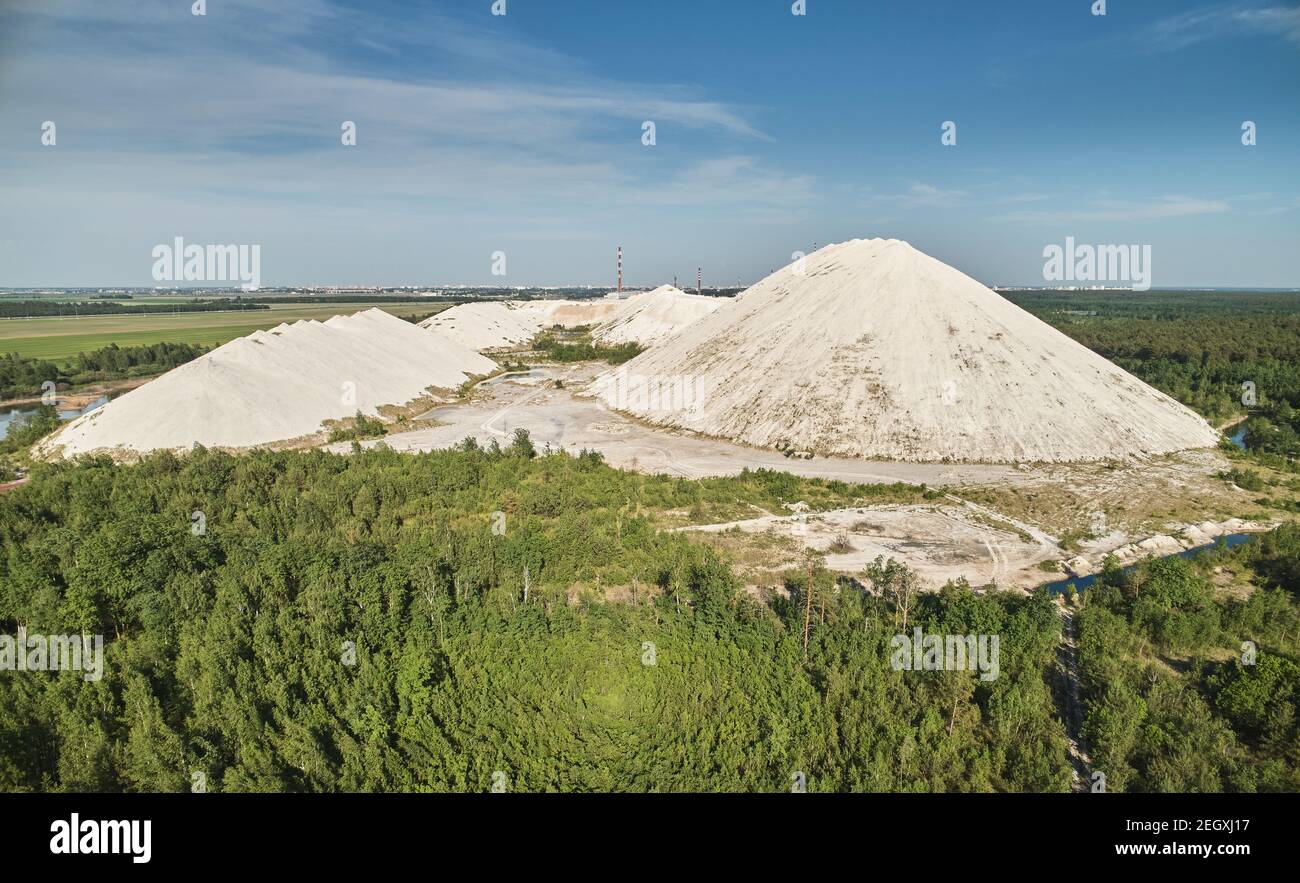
572,313
276,385
486,326
654,316
873,349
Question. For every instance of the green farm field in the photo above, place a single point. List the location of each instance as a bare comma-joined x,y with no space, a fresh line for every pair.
61,339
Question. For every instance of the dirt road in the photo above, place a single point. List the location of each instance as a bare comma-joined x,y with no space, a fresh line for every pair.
561,420
1071,704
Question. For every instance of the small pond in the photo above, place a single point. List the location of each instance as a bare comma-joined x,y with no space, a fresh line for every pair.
21,412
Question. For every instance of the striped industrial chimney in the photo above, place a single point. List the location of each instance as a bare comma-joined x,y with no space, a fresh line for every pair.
620,268
699,280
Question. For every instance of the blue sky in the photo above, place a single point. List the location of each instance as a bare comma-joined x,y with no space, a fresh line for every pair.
523,134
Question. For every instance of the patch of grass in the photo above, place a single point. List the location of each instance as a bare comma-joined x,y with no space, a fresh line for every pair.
1246,479
582,349
361,427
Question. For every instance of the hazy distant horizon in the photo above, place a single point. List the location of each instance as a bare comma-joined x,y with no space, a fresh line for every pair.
414,288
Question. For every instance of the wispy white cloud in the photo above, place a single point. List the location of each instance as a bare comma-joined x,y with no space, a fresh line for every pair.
200,86
1158,208
922,195
726,182
1280,208
1020,198
1211,22
229,125
928,197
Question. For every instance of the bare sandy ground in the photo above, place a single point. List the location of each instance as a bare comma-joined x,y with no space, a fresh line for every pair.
957,537
940,542
945,542
556,418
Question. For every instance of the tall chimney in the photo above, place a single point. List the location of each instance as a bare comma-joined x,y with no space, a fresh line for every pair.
620,268
699,279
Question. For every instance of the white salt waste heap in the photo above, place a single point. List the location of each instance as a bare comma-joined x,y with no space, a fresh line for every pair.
653,317
877,350
277,385
486,326
573,313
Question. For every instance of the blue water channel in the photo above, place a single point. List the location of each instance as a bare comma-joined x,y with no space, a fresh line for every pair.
9,415
1080,583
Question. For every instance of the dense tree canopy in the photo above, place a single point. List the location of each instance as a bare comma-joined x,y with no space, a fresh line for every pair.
349,623
465,619
1222,353
10,309
1189,693
24,376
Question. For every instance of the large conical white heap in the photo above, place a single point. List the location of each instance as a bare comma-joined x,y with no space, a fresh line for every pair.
870,348
652,317
277,385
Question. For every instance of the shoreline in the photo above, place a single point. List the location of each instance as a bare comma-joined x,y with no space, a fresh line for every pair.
81,396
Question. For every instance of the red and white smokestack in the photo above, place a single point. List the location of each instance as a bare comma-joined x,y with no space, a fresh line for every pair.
620,268
699,280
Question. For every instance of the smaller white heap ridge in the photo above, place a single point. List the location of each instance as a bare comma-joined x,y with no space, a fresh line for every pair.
652,317
486,325
277,385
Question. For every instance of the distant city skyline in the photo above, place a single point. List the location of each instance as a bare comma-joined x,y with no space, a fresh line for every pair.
518,142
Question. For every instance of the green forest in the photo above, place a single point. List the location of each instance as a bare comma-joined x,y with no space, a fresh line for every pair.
24,432
27,309
356,623
22,376
1225,354
518,619
1186,691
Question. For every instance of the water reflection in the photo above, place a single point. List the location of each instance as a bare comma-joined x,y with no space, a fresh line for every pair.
19,413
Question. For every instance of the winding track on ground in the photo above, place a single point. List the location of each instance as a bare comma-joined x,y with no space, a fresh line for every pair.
1072,705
